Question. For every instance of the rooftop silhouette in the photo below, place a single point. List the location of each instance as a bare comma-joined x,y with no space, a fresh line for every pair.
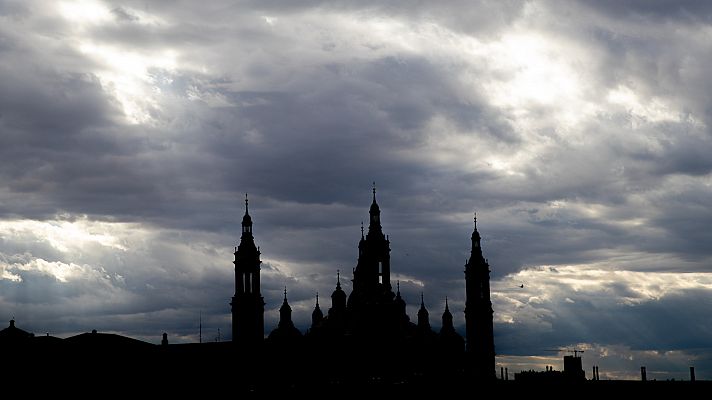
363,338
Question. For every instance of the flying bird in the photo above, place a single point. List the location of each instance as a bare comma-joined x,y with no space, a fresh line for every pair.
521,286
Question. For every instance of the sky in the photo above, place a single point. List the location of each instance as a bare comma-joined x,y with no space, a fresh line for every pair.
579,131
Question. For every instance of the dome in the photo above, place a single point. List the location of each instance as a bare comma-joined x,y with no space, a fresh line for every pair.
246,220
338,294
374,208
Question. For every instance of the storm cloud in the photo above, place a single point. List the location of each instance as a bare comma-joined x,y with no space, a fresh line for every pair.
579,132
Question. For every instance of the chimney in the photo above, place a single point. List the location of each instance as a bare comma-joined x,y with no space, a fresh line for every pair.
506,374
643,375
164,341
692,374
501,373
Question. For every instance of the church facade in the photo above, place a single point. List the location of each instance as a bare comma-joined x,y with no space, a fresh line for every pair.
372,320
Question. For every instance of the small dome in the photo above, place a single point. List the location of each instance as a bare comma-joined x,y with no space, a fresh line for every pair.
399,301
246,220
338,294
317,314
374,207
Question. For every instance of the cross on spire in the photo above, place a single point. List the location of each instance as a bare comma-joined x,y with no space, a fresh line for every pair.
246,203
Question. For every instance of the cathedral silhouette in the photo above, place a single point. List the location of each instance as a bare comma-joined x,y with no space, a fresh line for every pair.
365,339
372,318
364,344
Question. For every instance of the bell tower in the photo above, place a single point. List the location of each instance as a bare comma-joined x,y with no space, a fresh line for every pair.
248,306
478,312
373,271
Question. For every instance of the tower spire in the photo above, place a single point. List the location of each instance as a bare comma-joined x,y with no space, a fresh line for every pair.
423,317
374,226
247,303
478,310
246,221
285,294
338,279
361,230
317,314
448,330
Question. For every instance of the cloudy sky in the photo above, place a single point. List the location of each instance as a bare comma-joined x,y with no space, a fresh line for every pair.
578,130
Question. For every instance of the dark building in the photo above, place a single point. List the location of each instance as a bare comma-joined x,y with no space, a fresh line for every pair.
573,369
248,305
285,330
366,337
478,312
573,372
14,335
372,320
365,344
370,305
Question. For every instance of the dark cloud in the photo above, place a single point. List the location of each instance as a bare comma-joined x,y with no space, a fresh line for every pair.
658,11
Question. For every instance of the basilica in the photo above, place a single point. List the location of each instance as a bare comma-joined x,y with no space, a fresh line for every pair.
365,341
371,322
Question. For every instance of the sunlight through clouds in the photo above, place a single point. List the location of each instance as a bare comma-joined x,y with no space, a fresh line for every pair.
123,72
67,235
84,11
628,287
127,75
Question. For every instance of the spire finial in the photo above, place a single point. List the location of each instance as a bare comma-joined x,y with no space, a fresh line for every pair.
475,219
338,279
285,293
422,302
317,299
374,191
398,285
361,229
246,203
446,307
